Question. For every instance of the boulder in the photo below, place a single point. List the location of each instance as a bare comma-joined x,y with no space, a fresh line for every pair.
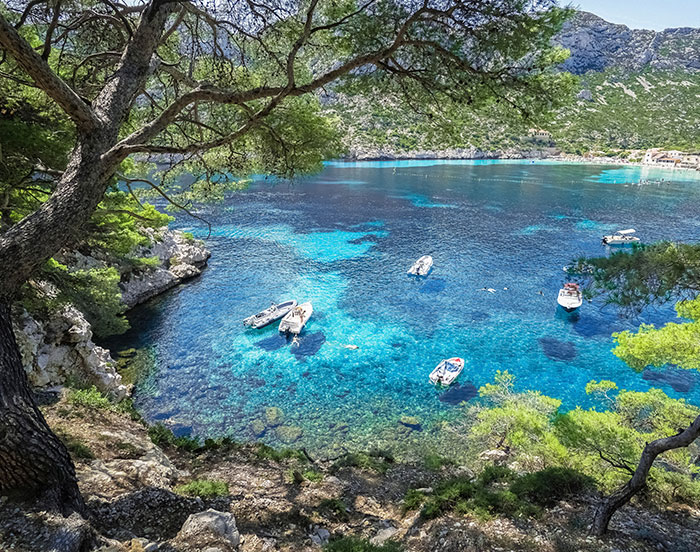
288,433
257,428
273,416
209,529
383,535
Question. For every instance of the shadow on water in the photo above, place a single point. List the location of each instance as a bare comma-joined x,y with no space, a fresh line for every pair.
433,285
459,393
681,381
557,349
308,345
274,342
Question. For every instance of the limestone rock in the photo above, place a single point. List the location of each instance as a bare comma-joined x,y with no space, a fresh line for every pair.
110,478
383,535
180,258
61,349
210,528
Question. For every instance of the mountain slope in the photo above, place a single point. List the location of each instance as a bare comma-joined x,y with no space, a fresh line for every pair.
639,89
597,45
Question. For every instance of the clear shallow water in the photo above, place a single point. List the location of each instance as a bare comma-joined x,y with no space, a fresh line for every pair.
344,240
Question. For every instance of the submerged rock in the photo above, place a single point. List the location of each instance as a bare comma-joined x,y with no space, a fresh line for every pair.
274,416
459,393
411,422
288,433
258,428
558,350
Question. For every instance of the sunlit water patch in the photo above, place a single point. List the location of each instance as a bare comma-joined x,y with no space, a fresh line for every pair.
344,240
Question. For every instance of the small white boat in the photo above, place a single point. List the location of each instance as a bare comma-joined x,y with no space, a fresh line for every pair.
295,320
621,237
447,371
269,315
570,297
422,266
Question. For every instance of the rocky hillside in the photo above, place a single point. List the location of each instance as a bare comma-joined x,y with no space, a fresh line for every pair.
181,497
638,89
597,45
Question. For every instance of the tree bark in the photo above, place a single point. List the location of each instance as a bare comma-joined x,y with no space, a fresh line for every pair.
34,463
622,496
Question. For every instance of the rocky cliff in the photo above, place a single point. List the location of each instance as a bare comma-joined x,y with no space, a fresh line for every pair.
59,348
598,45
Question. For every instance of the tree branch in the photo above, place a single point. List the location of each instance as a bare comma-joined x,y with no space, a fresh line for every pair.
37,68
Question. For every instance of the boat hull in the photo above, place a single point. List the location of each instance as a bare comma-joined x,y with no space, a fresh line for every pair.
269,315
421,267
294,322
441,376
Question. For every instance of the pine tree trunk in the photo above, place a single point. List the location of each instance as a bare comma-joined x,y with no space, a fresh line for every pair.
34,463
622,496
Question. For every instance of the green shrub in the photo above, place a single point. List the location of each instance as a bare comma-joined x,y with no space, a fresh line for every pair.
496,474
413,499
89,398
313,476
160,435
547,486
376,460
334,506
75,447
353,544
435,462
265,452
446,496
204,488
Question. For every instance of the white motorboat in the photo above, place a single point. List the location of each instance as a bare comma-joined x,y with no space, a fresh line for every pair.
422,266
447,371
621,237
570,297
295,320
269,315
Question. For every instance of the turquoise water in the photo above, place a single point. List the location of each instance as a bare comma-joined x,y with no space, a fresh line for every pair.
344,240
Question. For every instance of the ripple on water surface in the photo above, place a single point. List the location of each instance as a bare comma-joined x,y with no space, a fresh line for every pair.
343,241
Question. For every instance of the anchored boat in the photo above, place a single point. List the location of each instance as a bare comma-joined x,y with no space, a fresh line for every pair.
621,237
422,266
570,297
269,315
296,319
447,371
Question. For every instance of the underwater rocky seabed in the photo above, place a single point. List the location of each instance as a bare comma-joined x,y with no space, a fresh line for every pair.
343,240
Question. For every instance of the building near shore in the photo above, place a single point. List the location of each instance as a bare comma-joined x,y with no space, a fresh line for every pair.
539,136
672,159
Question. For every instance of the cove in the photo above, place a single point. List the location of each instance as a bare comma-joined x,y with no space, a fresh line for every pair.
343,239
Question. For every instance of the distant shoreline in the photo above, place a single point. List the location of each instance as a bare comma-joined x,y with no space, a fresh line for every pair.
484,156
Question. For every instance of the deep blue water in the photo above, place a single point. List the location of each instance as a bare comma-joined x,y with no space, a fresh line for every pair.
344,240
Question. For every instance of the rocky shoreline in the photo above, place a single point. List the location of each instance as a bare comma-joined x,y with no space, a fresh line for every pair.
544,154
59,349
